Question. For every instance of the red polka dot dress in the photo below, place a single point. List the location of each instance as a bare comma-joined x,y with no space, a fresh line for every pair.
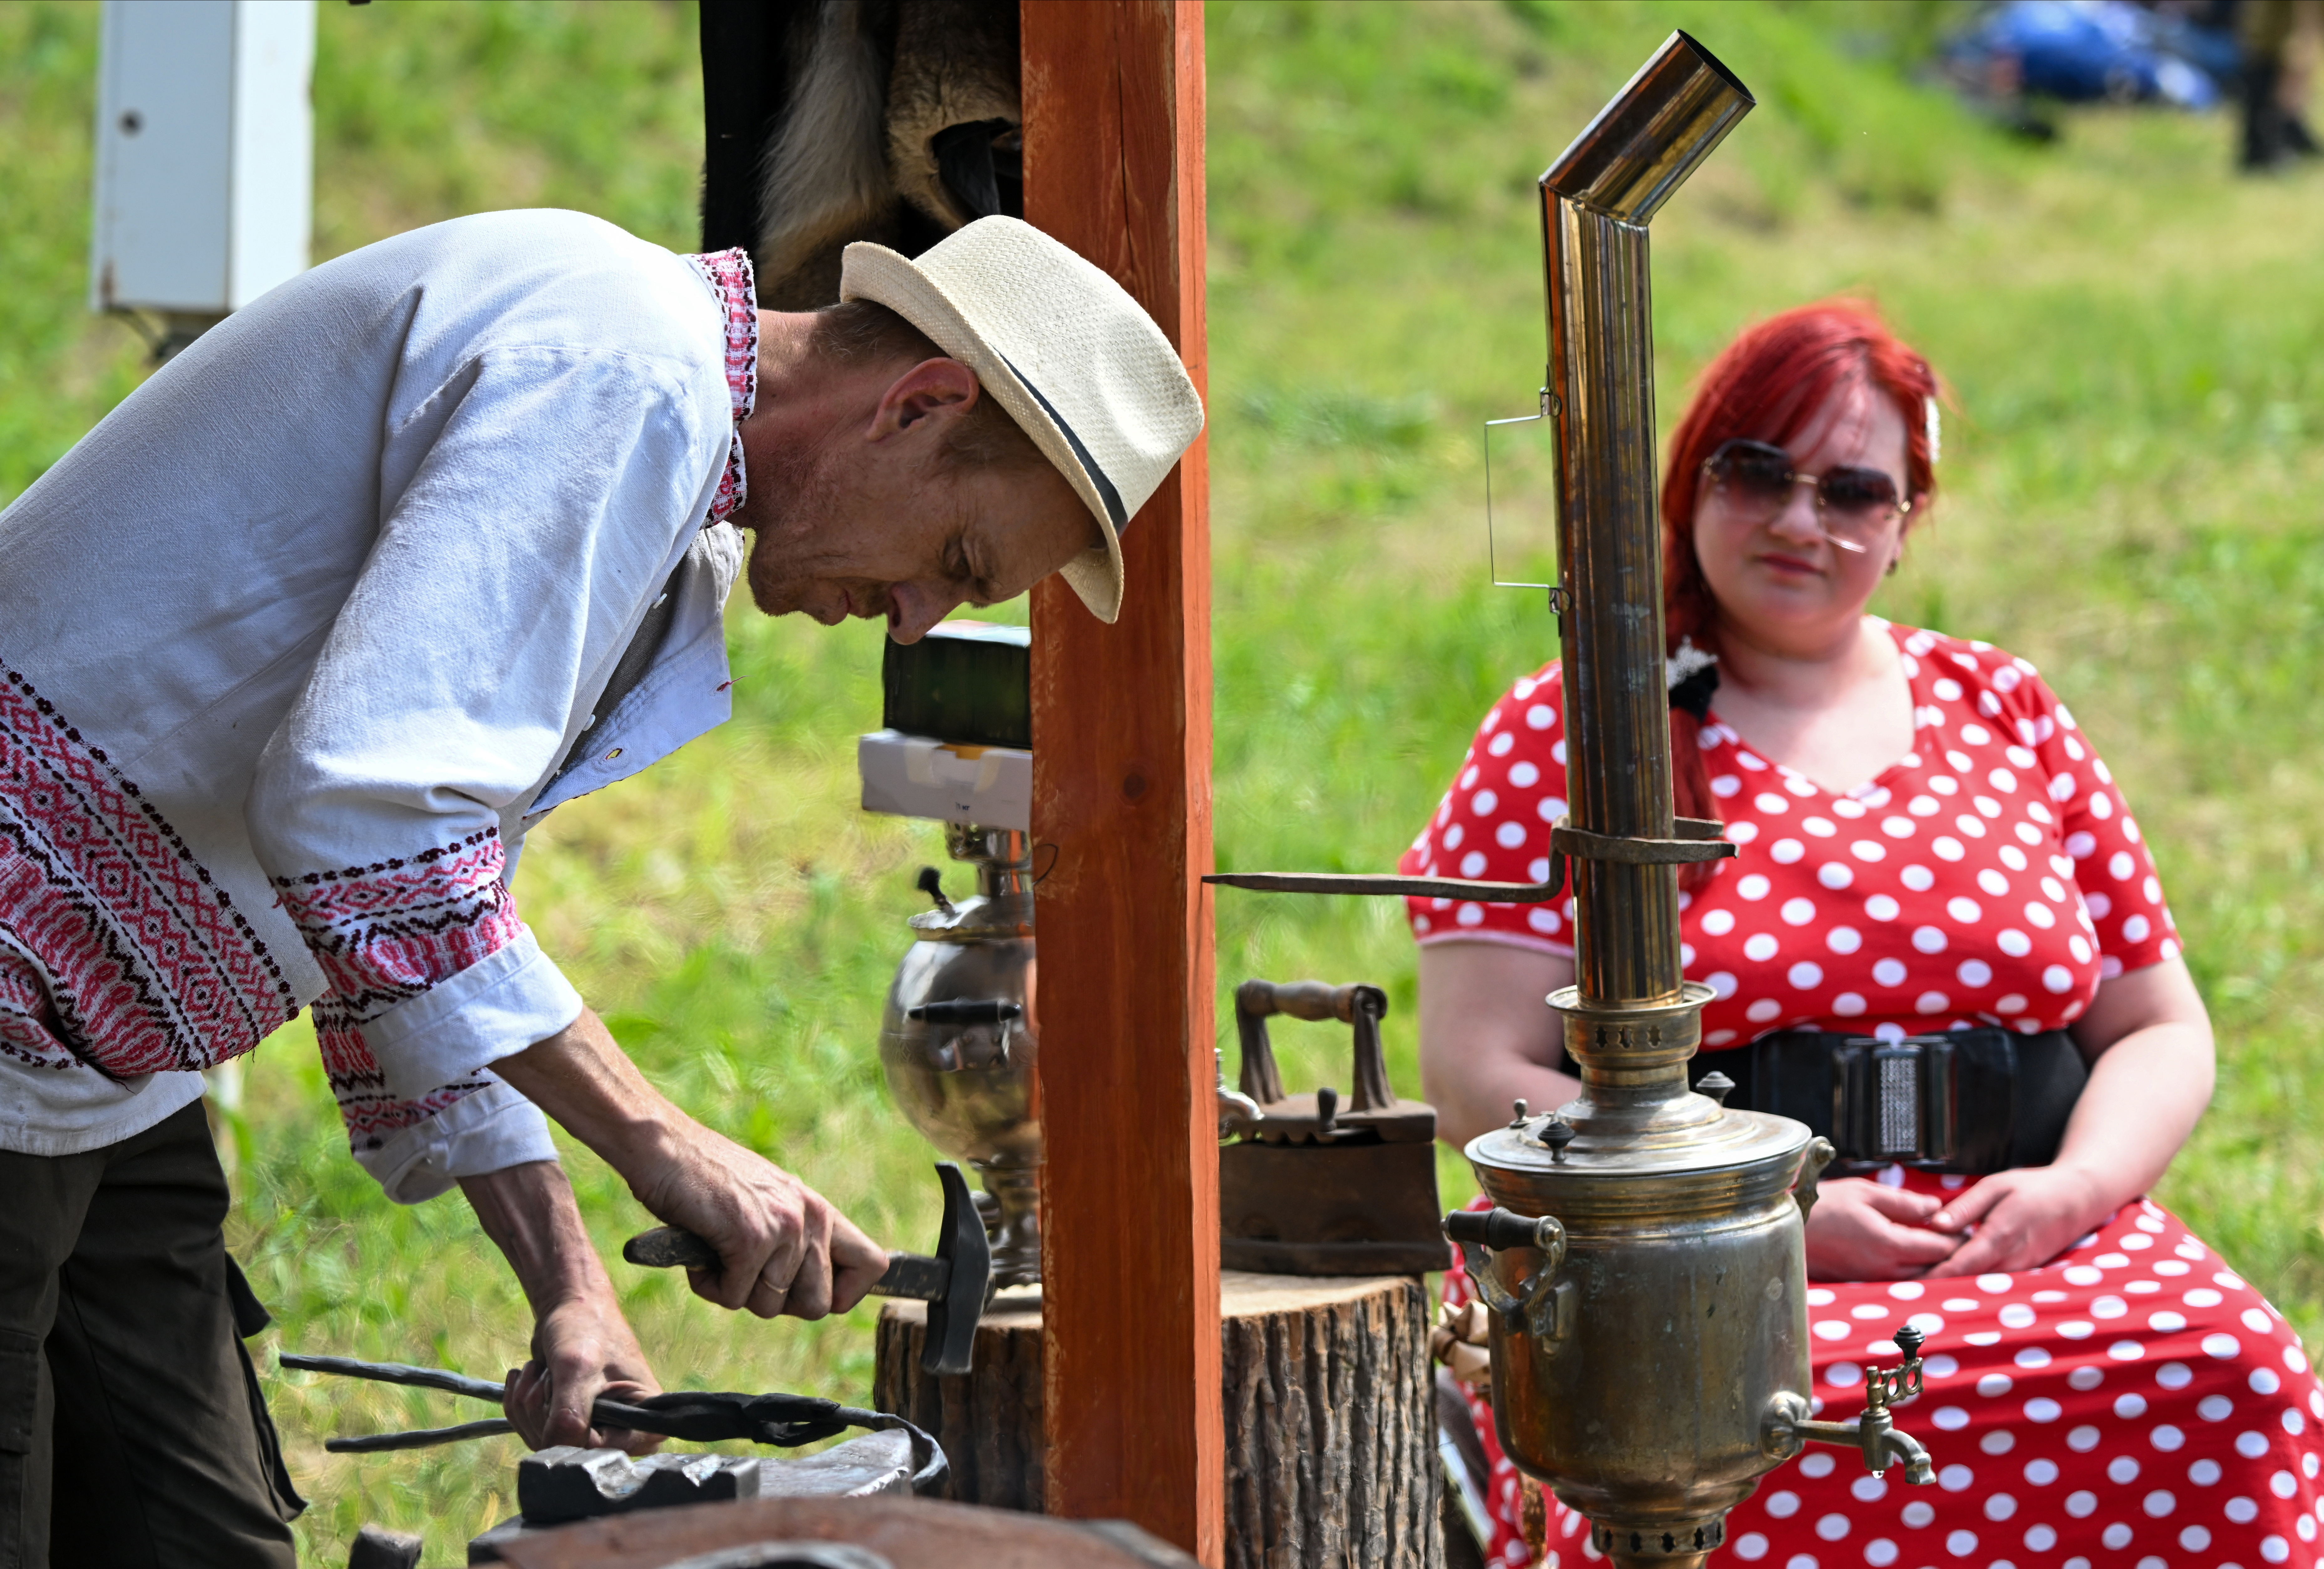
2132,1403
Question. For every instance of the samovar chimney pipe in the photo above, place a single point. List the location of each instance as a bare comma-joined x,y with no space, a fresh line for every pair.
1596,201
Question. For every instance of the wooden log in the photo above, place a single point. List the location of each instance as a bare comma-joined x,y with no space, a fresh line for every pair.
1329,1426
1121,785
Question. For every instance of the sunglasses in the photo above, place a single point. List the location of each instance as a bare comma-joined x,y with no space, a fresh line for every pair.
1853,505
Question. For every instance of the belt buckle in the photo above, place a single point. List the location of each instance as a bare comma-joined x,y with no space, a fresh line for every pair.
1896,1100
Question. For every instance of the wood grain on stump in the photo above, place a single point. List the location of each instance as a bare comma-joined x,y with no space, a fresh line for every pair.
1331,1426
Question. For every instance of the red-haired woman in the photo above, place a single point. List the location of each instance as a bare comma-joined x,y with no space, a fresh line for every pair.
1931,854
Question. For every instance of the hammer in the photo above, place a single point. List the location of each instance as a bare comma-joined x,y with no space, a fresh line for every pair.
955,1284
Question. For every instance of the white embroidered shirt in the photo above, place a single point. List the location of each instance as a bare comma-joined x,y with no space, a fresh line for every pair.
298,641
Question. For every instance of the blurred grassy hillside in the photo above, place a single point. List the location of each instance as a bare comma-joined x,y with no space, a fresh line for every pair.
2131,482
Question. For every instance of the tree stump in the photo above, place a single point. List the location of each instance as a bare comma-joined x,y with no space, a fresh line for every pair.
1331,1423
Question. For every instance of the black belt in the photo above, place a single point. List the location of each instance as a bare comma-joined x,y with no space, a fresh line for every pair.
1971,1101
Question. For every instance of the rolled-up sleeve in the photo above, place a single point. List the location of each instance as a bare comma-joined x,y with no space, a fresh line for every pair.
527,520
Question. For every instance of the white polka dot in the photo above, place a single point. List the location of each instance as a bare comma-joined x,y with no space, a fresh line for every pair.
1888,972
1867,849
2134,928
1918,1513
1928,939
1821,827
1783,1504
2204,1472
1806,975
2263,1383
1880,907
2195,1538
1960,1543
1848,1004
1999,1506
1783,851
1932,1002
2122,1469
1470,915
1718,923
1771,803
2251,1445
1973,973
1880,1552
1797,912
1993,1384
1741,833
1965,910
1759,948
1946,847
1550,808
2079,947
1541,716
1919,879
2109,1308
1722,983
2222,1346
1897,828
1473,864
2014,1314
1764,1010
1750,1547
2082,1505
1510,836
2040,915
1832,1527
1545,921
1524,774
1798,784
1453,836
1754,887
2173,1376
2117,1534
2077,1329
2059,980
1834,876
1951,1418
1538,869
2167,1438
2027,834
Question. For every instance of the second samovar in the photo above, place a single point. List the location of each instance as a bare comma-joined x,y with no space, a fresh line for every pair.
1644,1261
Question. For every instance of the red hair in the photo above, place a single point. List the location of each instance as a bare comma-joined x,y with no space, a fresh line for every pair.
1767,385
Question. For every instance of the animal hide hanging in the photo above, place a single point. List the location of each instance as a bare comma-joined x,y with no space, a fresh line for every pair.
902,122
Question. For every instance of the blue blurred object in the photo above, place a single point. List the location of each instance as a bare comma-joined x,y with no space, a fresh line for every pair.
2087,51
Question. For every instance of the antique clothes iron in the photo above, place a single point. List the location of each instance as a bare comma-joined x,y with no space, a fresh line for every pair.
1645,1259
1316,1186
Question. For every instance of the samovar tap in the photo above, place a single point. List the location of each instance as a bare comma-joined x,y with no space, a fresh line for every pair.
1789,1428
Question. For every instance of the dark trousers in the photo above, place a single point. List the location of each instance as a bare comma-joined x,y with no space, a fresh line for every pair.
131,1432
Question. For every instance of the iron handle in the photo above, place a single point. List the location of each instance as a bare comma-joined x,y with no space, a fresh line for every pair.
1316,1000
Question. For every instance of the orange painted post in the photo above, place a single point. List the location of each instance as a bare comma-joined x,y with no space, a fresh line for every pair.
1121,785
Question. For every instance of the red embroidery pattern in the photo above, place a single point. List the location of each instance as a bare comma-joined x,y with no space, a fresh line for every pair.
128,955
384,934
728,273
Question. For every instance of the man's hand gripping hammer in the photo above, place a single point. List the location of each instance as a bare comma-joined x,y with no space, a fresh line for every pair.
955,1283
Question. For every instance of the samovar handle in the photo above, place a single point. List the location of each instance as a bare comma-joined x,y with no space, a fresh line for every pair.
1545,1304
1820,1153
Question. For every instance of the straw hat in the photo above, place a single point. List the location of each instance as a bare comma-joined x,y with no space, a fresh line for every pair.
1069,354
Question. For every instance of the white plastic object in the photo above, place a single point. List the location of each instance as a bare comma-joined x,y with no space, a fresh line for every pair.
205,152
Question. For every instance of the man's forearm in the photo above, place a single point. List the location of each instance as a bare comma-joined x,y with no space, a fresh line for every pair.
529,1214
587,1085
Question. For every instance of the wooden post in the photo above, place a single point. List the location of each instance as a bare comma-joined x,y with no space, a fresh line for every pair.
1121,785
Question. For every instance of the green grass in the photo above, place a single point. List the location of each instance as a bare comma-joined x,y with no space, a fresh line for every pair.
2137,346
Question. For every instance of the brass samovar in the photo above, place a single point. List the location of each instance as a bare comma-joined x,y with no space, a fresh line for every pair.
1645,1260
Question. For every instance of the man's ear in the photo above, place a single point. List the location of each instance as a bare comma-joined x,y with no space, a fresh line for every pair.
939,389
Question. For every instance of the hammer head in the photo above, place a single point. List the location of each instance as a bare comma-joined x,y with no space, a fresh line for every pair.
952,1322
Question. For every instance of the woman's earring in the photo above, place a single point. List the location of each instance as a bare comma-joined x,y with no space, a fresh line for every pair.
1895,561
